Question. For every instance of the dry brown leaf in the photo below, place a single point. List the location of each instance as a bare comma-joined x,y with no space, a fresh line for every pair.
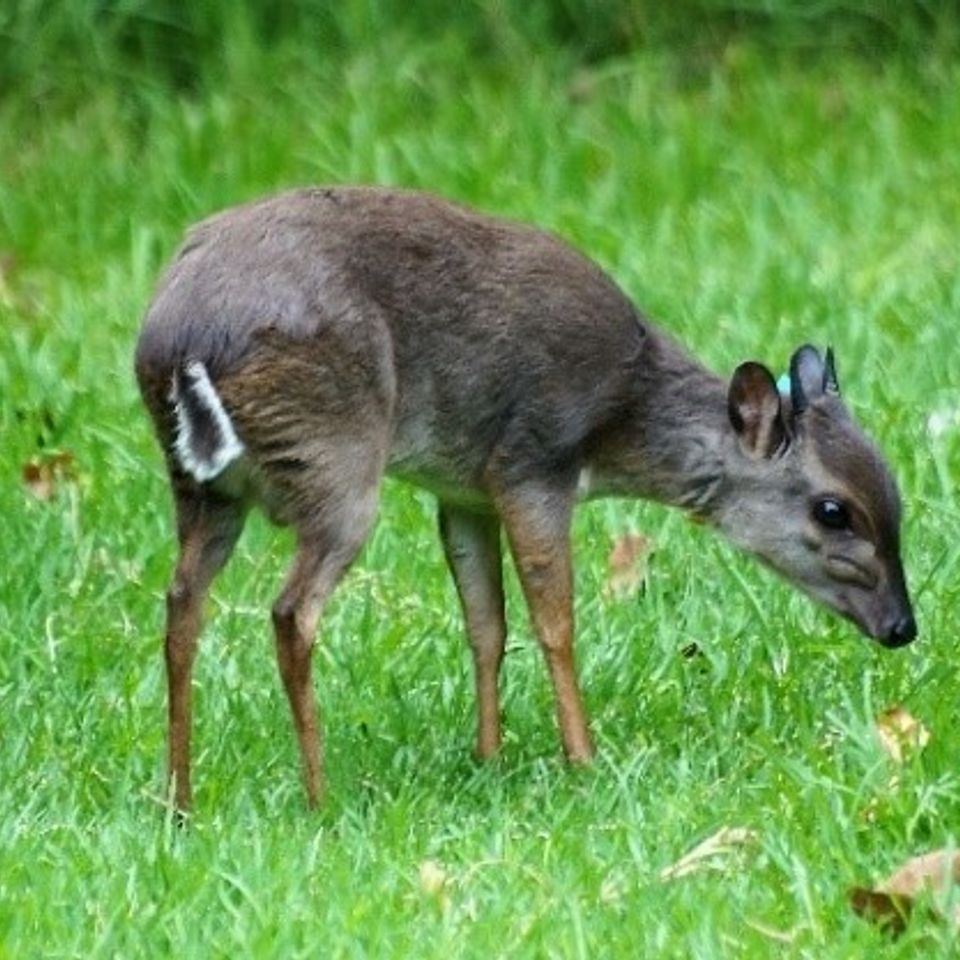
889,912
628,564
703,855
891,902
936,871
43,475
901,734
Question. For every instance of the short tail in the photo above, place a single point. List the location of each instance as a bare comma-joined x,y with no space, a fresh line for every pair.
206,442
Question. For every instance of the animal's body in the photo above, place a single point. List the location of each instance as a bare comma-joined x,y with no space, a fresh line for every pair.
300,347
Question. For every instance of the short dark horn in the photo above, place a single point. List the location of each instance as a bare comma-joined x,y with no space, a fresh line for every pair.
830,382
806,377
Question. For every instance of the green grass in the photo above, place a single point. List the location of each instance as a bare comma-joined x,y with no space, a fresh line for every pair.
76,45
748,201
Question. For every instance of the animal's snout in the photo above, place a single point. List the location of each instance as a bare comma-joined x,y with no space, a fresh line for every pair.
902,632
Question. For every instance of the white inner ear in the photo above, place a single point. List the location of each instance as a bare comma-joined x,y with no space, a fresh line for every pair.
760,425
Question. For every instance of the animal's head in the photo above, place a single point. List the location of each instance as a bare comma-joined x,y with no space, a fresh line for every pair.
812,496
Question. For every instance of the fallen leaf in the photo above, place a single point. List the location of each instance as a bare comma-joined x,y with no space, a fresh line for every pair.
937,872
891,902
43,475
724,842
628,564
901,734
889,912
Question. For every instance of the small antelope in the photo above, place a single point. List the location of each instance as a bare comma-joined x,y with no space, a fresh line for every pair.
300,347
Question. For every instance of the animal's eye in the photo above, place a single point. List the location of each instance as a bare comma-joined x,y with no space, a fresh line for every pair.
831,513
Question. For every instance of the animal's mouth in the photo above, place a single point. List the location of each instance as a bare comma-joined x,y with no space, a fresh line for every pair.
894,643
862,606
891,633
902,632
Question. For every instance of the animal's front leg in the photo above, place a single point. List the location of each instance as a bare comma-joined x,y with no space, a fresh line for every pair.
537,521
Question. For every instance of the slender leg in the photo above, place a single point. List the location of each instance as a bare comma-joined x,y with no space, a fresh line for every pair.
208,529
315,414
537,522
471,542
320,563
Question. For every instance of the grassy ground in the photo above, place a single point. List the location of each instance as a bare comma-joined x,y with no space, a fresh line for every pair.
751,204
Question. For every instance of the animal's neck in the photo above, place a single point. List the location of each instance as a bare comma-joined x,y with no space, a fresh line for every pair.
673,447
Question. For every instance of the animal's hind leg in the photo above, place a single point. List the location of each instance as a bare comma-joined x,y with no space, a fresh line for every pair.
324,553
207,528
315,414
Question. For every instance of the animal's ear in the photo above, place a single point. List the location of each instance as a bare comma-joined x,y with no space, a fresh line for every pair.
753,403
807,377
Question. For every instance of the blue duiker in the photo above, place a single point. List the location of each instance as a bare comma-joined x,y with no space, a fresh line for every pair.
301,347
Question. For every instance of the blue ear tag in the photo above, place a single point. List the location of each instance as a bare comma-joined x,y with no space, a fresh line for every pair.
783,384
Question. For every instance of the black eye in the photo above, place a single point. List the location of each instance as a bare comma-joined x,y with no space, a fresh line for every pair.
832,514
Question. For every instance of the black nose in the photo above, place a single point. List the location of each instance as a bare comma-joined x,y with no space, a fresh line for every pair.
902,632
